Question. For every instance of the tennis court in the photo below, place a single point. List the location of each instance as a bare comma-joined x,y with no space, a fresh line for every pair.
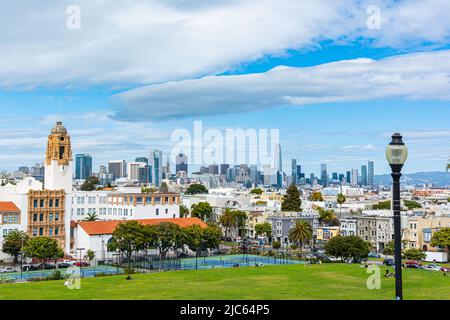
86,272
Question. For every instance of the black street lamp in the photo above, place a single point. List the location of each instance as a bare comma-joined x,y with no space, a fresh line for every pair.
396,154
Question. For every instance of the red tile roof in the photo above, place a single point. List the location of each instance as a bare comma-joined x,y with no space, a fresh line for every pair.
8,206
108,227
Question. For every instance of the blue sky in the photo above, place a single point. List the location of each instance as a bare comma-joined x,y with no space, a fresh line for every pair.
133,74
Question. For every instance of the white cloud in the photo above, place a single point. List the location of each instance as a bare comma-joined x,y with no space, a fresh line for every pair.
367,147
126,43
416,76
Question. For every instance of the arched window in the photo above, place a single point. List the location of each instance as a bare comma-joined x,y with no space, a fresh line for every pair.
61,152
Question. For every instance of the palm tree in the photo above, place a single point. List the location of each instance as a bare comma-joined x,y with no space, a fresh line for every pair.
300,233
228,220
14,242
340,199
91,217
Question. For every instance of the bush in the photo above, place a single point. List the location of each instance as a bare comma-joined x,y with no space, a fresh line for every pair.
56,275
129,271
276,244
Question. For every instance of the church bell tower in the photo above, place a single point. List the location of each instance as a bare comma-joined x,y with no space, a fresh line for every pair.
58,160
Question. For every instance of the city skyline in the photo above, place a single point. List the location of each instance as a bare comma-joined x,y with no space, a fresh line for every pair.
395,79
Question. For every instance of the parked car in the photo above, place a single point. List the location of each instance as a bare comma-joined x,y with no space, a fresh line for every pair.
7,270
413,264
64,265
389,262
47,266
445,269
432,267
29,267
374,255
71,262
81,264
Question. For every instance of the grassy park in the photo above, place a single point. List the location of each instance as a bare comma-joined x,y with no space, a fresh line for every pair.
291,282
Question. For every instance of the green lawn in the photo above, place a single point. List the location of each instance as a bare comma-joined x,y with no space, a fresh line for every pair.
324,281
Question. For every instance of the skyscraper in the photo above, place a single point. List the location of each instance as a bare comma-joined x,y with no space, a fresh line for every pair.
181,163
118,168
213,169
364,175
354,177
278,164
294,171
223,168
141,159
133,169
155,161
83,166
370,173
348,177
323,174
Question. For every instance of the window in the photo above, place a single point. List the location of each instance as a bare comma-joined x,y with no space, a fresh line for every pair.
50,203
41,203
35,217
34,232
157,199
57,216
56,231
57,203
41,231
41,217
16,218
148,200
50,231
50,217
139,200
174,199
167,211
35,203
157,211
166,199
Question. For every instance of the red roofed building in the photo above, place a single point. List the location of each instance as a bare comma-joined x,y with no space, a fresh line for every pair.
94,235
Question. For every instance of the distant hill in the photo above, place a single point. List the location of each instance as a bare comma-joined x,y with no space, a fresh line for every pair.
438,178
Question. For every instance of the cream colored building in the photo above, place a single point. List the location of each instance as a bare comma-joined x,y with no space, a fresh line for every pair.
421,229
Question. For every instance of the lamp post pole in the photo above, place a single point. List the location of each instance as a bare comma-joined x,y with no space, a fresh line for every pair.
396,154
396,174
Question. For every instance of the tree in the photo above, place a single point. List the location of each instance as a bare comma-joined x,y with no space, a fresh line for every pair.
196,188
90,184
193,238
13,243
326,216
389,248
257,191
90,255
201,210
414,254
316,196
168,235
44,248
212,236
410,204
227,220
184,211
91,217
292,201
441,238
383,205
241,219
148,190
347,248
127,238
340,198
300,233
164,187
263,229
